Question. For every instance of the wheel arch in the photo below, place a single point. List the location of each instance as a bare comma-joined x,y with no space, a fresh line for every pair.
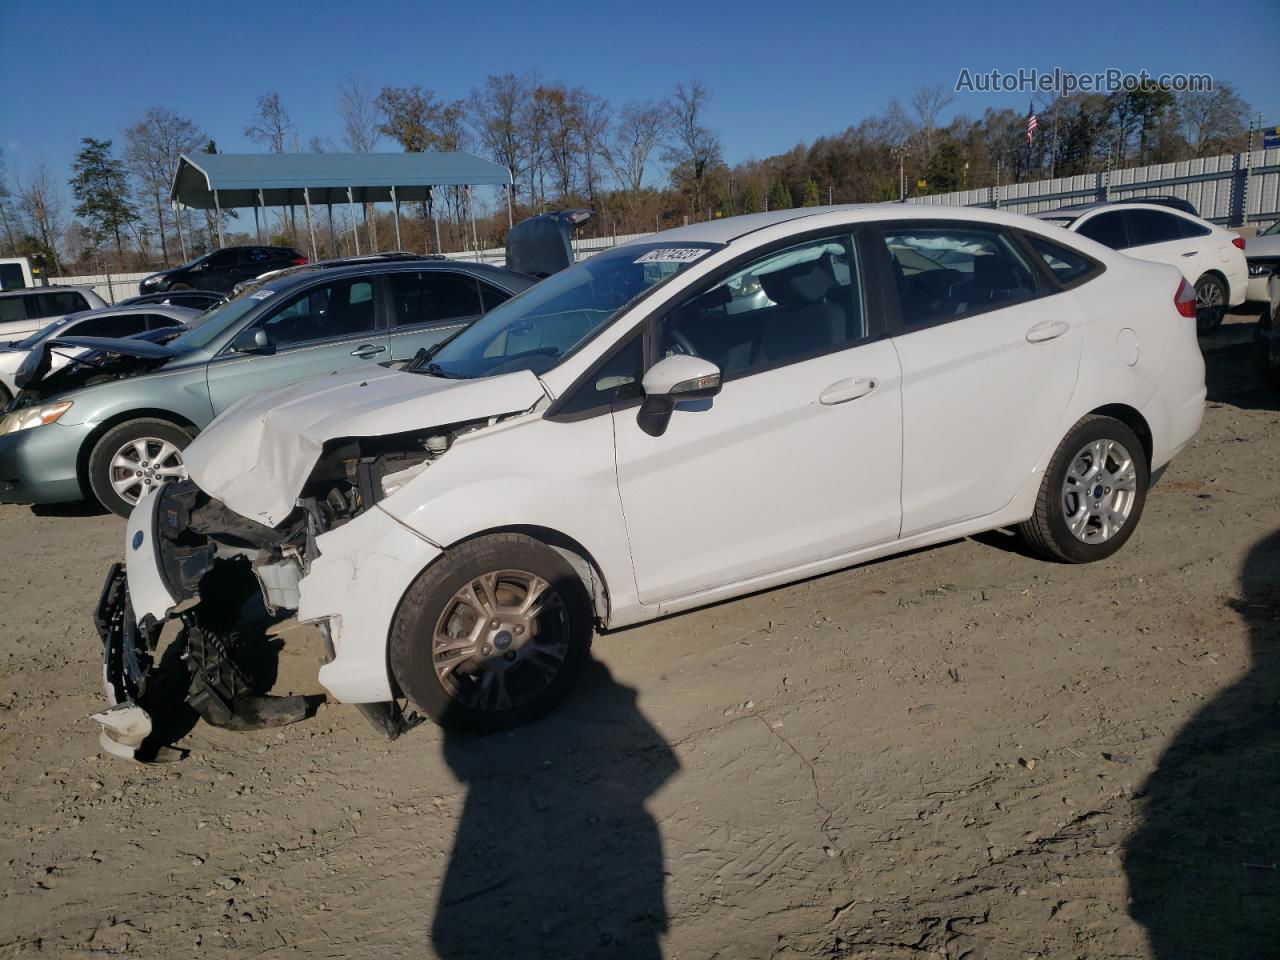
578,556
113,421
1132,419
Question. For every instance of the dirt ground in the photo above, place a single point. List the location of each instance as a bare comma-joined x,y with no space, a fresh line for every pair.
963,752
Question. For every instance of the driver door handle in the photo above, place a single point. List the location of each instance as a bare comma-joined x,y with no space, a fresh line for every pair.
1048,330
367,350
842,391
1191,253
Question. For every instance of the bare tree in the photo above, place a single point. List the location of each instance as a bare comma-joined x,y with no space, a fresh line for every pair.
153,146
496,113
640,127
41,204
359,117
593,126
7,213
695,149
1212,118
274,129
927,103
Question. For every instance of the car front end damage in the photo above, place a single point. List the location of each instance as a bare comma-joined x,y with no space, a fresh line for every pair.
337,562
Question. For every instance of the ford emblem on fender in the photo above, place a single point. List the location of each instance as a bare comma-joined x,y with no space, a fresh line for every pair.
137,540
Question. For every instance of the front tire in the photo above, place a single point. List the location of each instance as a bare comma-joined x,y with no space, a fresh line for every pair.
1211,303
1092,495
134,458
492,635
179,287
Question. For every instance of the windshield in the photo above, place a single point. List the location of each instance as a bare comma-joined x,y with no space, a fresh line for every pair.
44,333
540,327
211,324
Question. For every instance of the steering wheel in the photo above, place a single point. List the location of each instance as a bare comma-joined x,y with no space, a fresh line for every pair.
682,344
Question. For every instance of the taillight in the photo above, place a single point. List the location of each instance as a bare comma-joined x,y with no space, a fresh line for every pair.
1238,242
298,261
1185,300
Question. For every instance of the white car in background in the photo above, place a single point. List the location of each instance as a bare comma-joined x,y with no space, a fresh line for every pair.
621,442
1263,255
24,311
1211,258
113,322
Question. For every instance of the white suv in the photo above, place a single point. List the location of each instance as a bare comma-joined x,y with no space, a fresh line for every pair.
1211,258
26,310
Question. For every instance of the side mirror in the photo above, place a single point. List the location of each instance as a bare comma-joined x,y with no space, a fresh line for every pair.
673,380
253,340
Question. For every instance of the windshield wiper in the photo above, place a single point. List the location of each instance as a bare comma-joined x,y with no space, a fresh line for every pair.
435,370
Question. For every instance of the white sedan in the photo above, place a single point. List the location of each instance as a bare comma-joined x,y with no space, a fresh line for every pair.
1211,258
697,415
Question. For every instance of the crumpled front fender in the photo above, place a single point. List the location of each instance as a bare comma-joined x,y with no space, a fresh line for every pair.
354,585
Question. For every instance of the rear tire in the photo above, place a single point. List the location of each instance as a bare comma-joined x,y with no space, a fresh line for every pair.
1211,303
464,654
134,458
178,287
1100,461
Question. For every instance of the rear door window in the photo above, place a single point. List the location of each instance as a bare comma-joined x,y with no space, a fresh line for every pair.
59,303
1150,226
433,296
946,272
1107,229
112,325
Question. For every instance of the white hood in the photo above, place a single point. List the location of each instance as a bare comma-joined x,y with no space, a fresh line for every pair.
256,456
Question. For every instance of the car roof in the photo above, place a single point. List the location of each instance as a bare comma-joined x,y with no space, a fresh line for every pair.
21,291
728,229
161,308
1080,209
288,280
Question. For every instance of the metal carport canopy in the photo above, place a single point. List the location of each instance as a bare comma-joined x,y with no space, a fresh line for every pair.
280,179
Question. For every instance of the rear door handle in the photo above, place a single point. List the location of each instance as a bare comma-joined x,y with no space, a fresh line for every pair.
1048,330
1191,253
367,350
842,391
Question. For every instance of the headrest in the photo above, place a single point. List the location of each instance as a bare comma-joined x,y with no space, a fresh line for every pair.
994,273
799,285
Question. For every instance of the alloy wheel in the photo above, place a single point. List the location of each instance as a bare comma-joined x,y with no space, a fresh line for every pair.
1100,490
141,465
500,640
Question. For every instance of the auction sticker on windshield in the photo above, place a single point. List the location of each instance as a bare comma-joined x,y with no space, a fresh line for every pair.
672,255
262,295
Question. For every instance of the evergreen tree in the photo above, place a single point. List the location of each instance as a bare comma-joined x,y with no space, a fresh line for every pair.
810,197
780,197
751,200
101,189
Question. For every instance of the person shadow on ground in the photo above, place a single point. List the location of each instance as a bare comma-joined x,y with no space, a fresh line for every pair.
555,854
1204,866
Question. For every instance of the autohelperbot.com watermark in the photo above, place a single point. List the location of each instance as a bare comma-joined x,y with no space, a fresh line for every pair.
1057,80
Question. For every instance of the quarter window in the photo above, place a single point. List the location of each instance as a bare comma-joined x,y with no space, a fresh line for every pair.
1189,228
1067,265
947,272
793,304
617,379
331,311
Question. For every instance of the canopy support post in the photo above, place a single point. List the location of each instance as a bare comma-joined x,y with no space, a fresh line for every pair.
431,194
306,198
217,208
511,216
182,240
395,210
471,210
333,237
355,227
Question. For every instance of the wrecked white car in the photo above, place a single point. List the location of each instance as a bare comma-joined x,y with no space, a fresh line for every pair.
694,416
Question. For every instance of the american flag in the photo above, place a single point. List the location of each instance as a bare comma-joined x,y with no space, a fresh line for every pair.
1032,123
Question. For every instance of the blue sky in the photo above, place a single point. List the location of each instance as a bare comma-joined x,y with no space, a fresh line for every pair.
779,73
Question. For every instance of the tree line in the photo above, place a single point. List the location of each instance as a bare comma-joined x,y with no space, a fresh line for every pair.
640,165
